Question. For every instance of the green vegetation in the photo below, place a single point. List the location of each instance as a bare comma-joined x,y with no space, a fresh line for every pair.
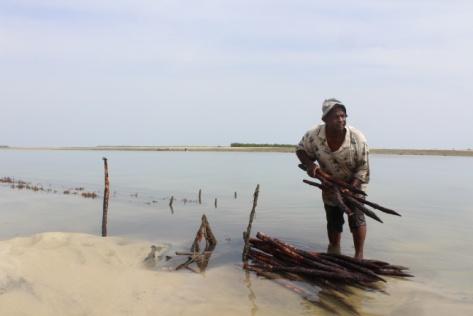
261,145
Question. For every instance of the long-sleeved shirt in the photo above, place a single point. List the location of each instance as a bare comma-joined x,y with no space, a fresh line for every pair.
346,163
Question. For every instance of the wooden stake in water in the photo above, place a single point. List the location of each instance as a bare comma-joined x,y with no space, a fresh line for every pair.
246,235
200,196
235,195
106,196
215,203
171,200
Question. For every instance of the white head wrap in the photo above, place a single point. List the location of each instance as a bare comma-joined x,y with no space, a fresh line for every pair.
329,104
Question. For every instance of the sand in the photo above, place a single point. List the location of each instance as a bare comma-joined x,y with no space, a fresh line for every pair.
79,274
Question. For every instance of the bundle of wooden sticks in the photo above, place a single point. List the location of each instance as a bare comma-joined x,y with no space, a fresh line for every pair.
299,271
347,197
273,255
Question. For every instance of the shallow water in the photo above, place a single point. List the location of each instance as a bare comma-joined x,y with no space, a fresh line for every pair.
433,237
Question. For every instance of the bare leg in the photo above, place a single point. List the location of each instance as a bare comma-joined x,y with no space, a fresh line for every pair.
334,241
359,235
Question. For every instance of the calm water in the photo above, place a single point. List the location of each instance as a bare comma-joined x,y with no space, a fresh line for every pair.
433,194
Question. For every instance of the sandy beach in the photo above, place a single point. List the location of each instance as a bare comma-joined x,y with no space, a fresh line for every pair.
79,274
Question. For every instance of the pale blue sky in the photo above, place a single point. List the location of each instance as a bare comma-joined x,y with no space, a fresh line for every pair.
136,72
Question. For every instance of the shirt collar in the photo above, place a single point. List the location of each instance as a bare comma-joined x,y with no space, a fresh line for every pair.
346,141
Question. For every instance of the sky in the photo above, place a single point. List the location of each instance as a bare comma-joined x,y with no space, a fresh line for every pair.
151,72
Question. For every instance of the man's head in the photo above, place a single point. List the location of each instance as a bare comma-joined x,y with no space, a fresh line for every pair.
334,113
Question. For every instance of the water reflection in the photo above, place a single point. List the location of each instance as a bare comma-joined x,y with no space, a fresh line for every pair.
251,295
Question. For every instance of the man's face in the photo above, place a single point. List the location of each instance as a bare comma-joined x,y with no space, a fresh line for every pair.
336,119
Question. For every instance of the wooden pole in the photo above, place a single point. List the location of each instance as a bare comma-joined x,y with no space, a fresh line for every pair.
200,196
246,235
106,196
235,195
215,203
171,200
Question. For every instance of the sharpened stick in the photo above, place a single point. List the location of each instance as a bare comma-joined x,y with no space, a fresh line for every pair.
106,196
246,235
324,177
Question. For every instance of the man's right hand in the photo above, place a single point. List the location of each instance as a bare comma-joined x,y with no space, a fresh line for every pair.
312,170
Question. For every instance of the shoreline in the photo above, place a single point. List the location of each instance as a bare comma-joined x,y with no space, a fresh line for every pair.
375,151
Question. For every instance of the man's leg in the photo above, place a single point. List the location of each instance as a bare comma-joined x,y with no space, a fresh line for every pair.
334,241
334,227
357,224
359,235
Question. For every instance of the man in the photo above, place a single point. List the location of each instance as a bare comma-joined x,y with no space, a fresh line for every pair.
342,152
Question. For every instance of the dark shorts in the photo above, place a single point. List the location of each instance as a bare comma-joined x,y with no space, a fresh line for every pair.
335,218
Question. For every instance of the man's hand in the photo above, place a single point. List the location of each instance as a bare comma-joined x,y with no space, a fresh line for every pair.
357,184
312,170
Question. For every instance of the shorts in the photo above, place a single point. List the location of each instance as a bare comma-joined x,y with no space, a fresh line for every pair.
335,219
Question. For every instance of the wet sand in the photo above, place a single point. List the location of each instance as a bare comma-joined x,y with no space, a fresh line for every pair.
79,274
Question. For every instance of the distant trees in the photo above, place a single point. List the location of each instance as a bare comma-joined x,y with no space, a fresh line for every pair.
261,145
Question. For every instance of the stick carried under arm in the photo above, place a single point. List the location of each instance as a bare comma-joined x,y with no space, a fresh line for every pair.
324,177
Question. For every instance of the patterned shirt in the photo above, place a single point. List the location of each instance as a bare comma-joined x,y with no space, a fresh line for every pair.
346,163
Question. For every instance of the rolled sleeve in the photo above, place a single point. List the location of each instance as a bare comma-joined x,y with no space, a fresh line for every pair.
306,145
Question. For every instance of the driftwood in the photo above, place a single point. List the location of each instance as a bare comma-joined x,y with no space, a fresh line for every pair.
347,197
328,180
246,235
331,273
106,196
201,258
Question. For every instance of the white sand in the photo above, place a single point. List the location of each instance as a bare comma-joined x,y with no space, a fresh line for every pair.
78,274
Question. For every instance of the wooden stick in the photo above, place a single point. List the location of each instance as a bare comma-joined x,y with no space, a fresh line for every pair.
215,203
376,206
342,262
246,235
204,231
325,177
201,259
106,196
352,199
359,199
200,196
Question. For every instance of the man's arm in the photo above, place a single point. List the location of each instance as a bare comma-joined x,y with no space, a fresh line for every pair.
362,173
308,162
